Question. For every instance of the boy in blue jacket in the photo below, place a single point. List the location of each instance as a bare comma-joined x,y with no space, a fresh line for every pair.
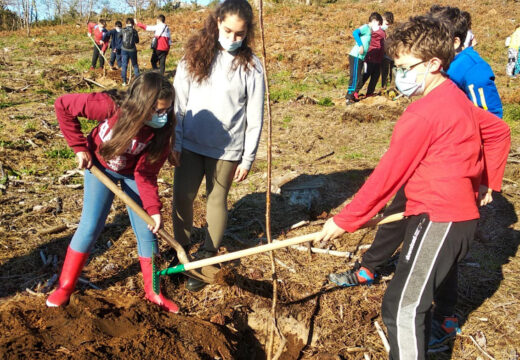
469,71
115,44
362,35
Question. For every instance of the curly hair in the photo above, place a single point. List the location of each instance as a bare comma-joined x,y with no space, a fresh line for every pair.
459,22
425,37
201,48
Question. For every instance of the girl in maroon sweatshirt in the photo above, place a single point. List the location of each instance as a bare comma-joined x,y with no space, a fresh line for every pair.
130,144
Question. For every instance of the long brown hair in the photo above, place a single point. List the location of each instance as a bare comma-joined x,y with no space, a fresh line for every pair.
136,107
202,47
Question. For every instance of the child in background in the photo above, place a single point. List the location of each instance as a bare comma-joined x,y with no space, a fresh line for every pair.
130,145
437,154
387,64
163,42
99,31
513,42
129,38
470,37
374,58
115,44
362,36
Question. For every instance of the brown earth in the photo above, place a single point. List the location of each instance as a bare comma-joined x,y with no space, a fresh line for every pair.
321,156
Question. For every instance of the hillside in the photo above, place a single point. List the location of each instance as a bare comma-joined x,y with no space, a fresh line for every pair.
322,150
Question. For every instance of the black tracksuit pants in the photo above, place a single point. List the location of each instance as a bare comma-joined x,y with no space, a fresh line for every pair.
95,55
429,256
373,72
159,56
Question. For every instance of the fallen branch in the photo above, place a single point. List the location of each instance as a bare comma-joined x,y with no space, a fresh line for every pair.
324,156
382,335
68,174
319,251
53,230
94,82
480,348
86,282
282,264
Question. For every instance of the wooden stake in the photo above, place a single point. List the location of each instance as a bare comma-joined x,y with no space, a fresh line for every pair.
268,191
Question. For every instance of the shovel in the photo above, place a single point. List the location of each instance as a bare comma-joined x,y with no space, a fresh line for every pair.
267,247
209,272
103,55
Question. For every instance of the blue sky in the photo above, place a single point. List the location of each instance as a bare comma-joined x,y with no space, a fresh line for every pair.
117,5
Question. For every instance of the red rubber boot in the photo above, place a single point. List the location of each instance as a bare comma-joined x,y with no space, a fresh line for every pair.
159,299
72,266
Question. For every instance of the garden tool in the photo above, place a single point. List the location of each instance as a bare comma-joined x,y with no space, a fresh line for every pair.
265,248
209,273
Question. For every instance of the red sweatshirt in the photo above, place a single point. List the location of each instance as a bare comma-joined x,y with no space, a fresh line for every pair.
95,30
443,147
161,33
100,107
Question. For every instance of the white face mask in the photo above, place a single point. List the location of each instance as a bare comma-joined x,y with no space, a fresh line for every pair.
384,27
228,45
406,81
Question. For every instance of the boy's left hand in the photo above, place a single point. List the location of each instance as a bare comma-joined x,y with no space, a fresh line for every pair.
157,219
240,174
330,231
485,195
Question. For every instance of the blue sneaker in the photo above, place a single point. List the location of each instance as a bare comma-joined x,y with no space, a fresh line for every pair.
359,275
441,333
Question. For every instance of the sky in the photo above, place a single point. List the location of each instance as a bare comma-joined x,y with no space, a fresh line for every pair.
118,5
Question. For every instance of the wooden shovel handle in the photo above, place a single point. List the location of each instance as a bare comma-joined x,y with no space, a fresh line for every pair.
181,253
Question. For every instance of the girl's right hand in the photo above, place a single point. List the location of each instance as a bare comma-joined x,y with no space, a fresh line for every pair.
175,158
84,160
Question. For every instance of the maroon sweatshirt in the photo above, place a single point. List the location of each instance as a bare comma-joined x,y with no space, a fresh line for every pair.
100,107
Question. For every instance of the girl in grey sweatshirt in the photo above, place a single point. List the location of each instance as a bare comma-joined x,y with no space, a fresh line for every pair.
219,106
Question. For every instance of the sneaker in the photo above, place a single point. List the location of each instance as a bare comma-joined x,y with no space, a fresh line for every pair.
92,68
443,332
195,285
349,102
358,275
356,96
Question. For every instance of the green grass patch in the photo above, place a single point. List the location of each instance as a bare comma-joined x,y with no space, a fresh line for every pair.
87,125
286,121
60,153
326,102
512,117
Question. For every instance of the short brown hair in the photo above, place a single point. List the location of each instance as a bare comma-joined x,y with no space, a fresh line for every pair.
425,37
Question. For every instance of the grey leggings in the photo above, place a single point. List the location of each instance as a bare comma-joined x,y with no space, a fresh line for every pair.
186,183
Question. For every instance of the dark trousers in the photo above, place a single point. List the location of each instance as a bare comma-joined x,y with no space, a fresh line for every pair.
388,236
159,56
430,253
386,72
95,55
115,55
125,57
356,76
372,73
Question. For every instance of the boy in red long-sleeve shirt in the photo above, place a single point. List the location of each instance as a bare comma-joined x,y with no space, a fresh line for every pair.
442,149
98,31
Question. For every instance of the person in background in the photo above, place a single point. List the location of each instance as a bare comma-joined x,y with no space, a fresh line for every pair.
115,44
470,37
374,58
362,36
130,145
98,31
387,64
161,44
513,44
219,106
129,39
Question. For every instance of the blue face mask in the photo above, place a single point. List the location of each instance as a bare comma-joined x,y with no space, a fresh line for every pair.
229,45
158,121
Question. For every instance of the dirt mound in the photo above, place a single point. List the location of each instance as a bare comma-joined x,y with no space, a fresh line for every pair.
117,327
